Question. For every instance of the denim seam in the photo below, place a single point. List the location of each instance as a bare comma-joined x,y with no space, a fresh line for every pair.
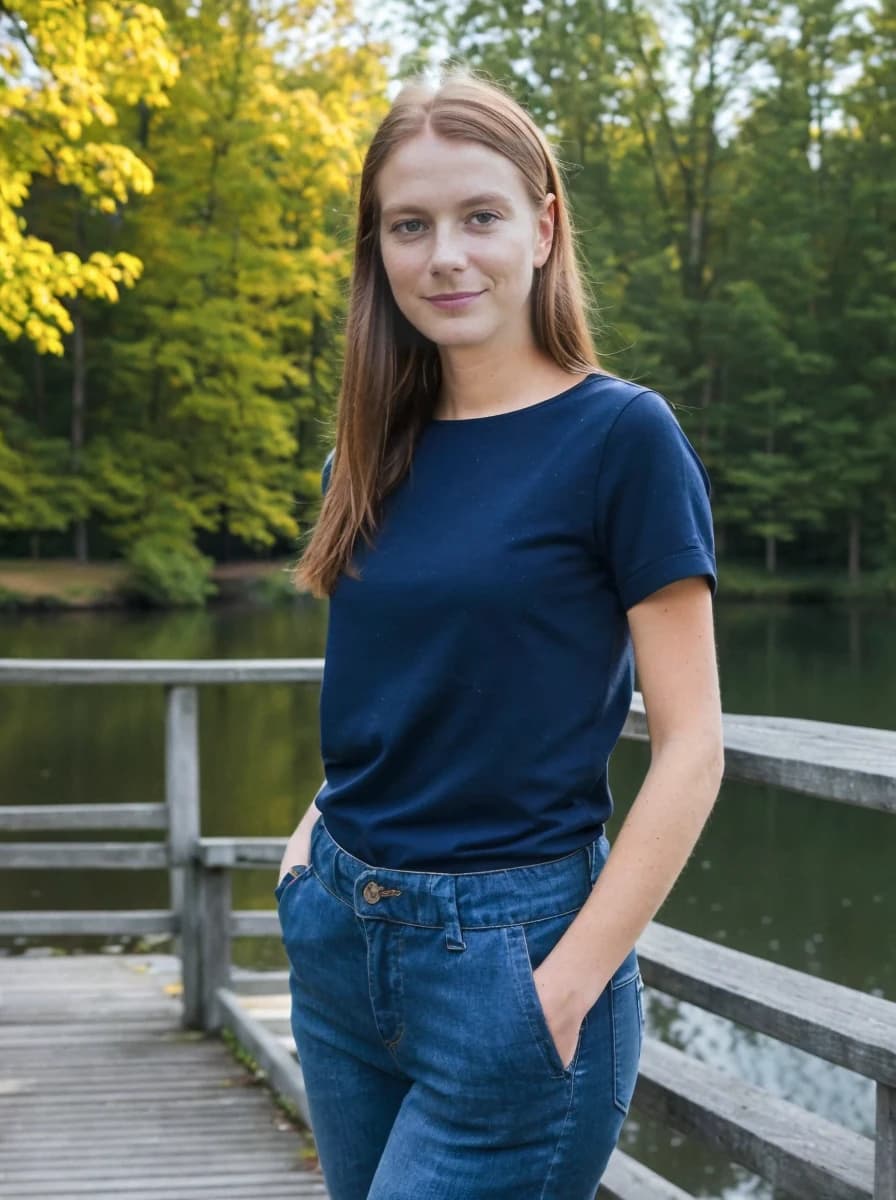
614,1038
534,1031
615,984
390,1046
572,1090
335,895
615,1049
468,928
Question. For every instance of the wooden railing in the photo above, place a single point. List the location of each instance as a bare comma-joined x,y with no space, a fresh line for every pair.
803,1154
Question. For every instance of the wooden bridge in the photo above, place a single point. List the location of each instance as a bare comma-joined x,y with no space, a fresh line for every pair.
110,1084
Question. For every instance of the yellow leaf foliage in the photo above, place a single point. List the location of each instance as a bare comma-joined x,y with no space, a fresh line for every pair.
66,67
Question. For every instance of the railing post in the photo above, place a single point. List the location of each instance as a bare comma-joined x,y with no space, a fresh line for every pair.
182,798
214,918
885,1144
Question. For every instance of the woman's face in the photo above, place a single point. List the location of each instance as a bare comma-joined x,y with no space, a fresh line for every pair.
456,220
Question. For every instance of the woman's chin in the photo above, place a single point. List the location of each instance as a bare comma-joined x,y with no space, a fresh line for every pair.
456,339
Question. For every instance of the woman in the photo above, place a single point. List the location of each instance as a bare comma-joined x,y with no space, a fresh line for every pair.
504,525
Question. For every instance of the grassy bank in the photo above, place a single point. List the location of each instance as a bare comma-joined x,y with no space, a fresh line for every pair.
745,582
65,584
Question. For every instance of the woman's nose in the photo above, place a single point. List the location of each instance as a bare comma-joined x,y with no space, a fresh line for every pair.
448,253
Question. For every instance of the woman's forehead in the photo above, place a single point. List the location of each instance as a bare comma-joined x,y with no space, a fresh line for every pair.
427,169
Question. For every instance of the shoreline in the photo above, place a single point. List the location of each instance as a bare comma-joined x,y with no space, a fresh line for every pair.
63,585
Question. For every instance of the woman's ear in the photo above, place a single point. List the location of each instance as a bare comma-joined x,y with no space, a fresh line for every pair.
545,229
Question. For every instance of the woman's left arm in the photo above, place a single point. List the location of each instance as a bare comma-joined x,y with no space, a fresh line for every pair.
674,643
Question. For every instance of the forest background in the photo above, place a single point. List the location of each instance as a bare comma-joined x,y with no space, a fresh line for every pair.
177,186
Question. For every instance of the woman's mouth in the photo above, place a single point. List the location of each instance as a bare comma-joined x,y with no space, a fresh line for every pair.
453,300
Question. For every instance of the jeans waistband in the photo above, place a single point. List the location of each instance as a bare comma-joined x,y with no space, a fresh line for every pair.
467,900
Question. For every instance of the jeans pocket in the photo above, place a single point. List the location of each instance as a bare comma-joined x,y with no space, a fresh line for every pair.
627,1025
293,875
528,946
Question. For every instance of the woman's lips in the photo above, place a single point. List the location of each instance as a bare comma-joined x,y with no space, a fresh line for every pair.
461,300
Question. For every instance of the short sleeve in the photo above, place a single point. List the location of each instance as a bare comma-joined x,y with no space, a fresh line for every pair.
325,473
653,521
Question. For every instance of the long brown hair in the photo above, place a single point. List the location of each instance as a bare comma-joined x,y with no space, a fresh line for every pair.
392,373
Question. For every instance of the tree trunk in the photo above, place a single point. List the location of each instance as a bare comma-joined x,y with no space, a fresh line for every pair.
39,392
855,547
855,638
79,418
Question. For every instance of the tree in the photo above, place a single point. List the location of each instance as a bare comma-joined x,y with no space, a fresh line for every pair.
211,366
66,69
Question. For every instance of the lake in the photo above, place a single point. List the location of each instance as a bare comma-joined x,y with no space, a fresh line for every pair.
801,881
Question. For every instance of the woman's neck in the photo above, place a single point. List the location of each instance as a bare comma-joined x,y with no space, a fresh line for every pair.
490,386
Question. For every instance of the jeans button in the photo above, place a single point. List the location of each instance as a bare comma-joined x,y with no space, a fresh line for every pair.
371,892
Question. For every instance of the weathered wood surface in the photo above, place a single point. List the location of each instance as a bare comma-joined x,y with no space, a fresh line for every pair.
158,670
101,855
31,817
885,1157
246,982
262,1025
254,922
626,1179
850,763
215,949
806,1156
182,798
40,923
102,1094
843,1026
240,852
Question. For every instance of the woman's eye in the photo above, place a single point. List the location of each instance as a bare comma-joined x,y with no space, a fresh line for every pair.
405,226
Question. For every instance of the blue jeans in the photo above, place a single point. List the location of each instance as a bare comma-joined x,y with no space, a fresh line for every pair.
430,1070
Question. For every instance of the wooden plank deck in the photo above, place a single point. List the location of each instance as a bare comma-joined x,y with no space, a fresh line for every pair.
103,1094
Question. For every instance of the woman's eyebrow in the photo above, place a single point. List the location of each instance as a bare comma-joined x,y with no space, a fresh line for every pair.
479,198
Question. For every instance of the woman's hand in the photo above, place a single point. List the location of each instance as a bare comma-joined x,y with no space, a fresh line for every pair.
298,848
297,852
564,1007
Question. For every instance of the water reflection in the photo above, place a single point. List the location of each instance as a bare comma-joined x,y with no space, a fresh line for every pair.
831,1091
699,1170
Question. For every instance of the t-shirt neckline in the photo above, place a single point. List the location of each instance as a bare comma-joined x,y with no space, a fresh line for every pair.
514,412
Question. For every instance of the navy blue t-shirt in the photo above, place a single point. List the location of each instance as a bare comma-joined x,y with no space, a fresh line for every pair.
478,674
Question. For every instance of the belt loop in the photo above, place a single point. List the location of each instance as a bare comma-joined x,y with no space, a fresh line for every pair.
597,856
453,939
